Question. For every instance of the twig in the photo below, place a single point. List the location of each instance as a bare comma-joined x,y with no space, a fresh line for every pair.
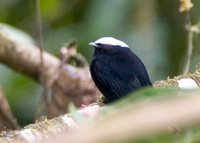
189,43
80,60
7,120
44,98
65,55
68,52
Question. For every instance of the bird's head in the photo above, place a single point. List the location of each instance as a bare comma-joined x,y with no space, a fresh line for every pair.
108,42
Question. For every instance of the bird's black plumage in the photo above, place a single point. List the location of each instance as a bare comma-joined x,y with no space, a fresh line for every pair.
117,71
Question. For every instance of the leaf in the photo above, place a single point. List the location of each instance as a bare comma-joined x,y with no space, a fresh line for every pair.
185,5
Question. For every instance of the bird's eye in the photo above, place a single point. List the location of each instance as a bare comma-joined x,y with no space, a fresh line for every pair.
108,46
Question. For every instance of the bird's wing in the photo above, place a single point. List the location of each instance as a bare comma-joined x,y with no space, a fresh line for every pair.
119,81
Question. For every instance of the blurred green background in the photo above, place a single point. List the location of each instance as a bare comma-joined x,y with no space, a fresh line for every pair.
154,29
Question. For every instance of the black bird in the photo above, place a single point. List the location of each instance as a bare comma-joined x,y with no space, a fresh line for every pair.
116,70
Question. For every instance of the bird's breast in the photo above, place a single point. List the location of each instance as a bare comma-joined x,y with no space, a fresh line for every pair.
101,65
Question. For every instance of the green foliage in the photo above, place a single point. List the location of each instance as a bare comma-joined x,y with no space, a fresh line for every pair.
147,93
186,135
190,135
110,112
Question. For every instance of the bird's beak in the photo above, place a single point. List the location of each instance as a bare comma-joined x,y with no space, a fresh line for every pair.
92,44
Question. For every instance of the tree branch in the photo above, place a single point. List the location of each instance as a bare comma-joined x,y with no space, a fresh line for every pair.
73,84
138,120
24,58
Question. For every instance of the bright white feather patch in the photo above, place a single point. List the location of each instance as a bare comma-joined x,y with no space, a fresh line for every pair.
111,41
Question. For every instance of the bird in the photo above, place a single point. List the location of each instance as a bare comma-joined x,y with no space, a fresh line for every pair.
116,70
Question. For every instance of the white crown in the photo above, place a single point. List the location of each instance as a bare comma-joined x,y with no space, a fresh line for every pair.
111,41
